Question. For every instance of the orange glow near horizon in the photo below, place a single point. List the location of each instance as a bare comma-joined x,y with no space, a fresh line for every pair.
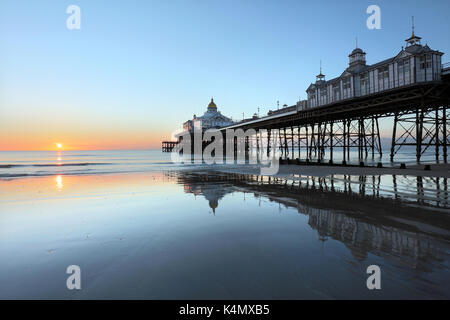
83,141
75,133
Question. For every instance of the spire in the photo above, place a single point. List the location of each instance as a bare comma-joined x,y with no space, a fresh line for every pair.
320,76
413,40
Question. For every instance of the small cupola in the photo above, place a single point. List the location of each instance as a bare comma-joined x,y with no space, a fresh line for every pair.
357,57
413,40
320,77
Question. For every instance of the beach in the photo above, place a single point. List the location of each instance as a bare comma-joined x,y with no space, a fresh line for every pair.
154,230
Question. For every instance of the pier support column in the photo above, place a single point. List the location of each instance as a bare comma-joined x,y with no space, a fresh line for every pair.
307,142
318,144
380,148
394,133
359,140
257,142
363,122
292,142
280,142
373,138
344,123
331,140
323,142
286,150
348,139
419,130
436,137
247,147
444,132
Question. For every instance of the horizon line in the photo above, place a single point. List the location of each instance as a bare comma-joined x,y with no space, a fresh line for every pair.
55,150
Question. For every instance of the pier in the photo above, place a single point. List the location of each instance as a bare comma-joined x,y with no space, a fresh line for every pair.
421,110
343,114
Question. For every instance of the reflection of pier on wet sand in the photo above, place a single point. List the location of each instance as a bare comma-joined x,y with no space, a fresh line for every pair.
431,192
412,185
388,216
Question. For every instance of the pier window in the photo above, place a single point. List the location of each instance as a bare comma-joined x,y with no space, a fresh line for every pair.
424,72
383,76
323,96
383,73
422,62
403,65
403,72
346,86
364,83
312,99
425,62
336,92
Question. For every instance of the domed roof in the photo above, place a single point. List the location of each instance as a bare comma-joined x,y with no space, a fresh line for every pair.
213,204
357,50
212,105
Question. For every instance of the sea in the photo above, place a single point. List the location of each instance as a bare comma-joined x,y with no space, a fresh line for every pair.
14,164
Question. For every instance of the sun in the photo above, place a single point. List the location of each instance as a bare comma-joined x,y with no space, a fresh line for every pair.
59,145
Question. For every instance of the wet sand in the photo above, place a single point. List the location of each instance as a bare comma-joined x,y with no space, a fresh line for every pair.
200,234
437,170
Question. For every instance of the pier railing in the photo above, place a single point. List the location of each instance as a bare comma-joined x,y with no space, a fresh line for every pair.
167,146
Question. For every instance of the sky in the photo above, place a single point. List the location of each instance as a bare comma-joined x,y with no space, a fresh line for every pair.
136,70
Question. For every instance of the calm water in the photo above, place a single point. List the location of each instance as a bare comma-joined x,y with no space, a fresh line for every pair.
44,163
141,227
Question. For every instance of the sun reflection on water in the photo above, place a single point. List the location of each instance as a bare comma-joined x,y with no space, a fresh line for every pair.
59,157
59,182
